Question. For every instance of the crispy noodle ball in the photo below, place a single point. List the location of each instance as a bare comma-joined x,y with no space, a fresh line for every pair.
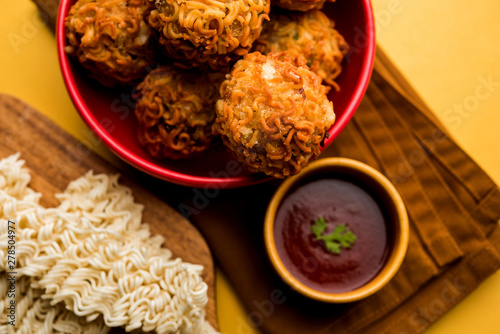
311,35
176,113
273,113
301,5
111,38
208,32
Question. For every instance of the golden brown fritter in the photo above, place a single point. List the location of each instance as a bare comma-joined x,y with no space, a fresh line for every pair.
208,33
175,111
311,35
111,38
273,113
300,5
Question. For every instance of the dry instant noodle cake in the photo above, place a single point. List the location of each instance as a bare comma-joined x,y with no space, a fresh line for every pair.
311,35
273,113
300,5
92,256
208,33
175,112
111,38
34,314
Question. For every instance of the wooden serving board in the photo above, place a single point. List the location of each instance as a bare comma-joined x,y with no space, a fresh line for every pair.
55,158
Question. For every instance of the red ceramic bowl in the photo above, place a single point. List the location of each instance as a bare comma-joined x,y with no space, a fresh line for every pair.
110,112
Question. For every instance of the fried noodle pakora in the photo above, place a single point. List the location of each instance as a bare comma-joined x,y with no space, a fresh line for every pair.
111,39
273,113
208,33
175,111
311,35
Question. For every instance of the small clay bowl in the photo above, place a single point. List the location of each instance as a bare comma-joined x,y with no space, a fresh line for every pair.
395,218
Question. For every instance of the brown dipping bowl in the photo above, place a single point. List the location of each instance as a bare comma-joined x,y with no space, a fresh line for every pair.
387,197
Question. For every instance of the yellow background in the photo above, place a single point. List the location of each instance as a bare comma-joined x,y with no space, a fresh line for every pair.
445,48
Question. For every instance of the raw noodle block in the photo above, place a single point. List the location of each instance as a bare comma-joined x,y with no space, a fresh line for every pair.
92,257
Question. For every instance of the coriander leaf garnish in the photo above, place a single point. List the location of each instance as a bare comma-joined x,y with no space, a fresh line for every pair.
340,237
318,227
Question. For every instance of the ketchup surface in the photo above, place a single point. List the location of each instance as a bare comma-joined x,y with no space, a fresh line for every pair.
307,259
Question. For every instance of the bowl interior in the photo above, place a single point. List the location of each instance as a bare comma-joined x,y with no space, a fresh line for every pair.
381,190
110,112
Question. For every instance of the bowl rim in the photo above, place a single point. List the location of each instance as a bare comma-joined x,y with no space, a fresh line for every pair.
366,73
193,180
395,258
